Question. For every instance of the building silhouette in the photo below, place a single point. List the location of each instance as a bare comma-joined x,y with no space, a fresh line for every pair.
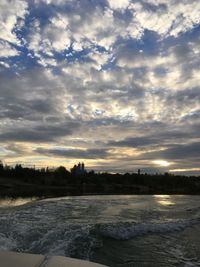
78,169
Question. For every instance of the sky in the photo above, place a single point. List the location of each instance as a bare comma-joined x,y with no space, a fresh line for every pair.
113,83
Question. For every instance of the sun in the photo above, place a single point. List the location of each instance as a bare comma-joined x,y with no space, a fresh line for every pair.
162,163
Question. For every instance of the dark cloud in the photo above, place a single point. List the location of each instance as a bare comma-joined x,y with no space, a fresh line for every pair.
26,109
31,96
134,142
184,96
41,133
179,151
182,155
158,138
18,149
75,153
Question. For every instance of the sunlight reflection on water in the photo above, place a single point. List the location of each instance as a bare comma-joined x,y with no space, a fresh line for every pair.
164,200
13,202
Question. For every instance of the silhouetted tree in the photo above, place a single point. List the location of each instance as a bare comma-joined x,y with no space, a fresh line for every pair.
1,165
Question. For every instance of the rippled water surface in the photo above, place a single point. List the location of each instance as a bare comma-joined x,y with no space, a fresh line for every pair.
157,230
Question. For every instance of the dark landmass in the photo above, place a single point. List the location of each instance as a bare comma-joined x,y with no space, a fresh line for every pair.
26,182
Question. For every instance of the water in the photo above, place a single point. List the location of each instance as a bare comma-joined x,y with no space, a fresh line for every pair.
121,231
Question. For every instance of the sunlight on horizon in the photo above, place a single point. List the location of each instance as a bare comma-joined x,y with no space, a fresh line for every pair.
162,163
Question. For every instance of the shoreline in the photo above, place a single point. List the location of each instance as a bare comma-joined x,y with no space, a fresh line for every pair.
14,187
50,192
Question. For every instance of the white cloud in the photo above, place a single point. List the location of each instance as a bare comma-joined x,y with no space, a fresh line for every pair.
86,25
10,12
166,17
6,50
91,31
6,65
53,37
118,4
53,2
100,59
47,61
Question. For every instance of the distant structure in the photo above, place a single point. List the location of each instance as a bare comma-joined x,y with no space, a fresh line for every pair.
78,169
139,171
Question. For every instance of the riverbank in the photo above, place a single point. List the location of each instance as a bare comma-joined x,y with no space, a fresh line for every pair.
10,187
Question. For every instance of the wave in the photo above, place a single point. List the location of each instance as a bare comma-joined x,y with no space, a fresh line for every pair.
79,241
71,240
62,240
125,231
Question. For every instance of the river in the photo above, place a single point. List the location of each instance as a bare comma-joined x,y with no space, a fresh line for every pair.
125,231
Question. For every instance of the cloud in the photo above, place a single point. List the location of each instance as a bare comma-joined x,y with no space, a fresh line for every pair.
178,152
118,4
53,37
12,13
6,50
4,65
121,75
167,18
38,133
14,150
35,135
134,142
75,153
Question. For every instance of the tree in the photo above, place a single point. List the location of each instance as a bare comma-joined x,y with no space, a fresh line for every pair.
61,173
1,167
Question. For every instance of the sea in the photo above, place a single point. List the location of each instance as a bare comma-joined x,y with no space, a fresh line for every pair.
118,231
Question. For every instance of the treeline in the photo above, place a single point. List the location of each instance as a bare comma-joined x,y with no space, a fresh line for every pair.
43,176
60,181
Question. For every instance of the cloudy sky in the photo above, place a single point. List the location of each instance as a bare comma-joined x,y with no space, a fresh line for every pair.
113,83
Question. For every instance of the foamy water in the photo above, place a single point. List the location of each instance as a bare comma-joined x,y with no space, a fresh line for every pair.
114,230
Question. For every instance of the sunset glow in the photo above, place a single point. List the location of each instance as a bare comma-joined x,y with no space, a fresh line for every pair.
162,163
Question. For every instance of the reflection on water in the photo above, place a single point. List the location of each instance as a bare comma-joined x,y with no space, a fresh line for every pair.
165,200
13,202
